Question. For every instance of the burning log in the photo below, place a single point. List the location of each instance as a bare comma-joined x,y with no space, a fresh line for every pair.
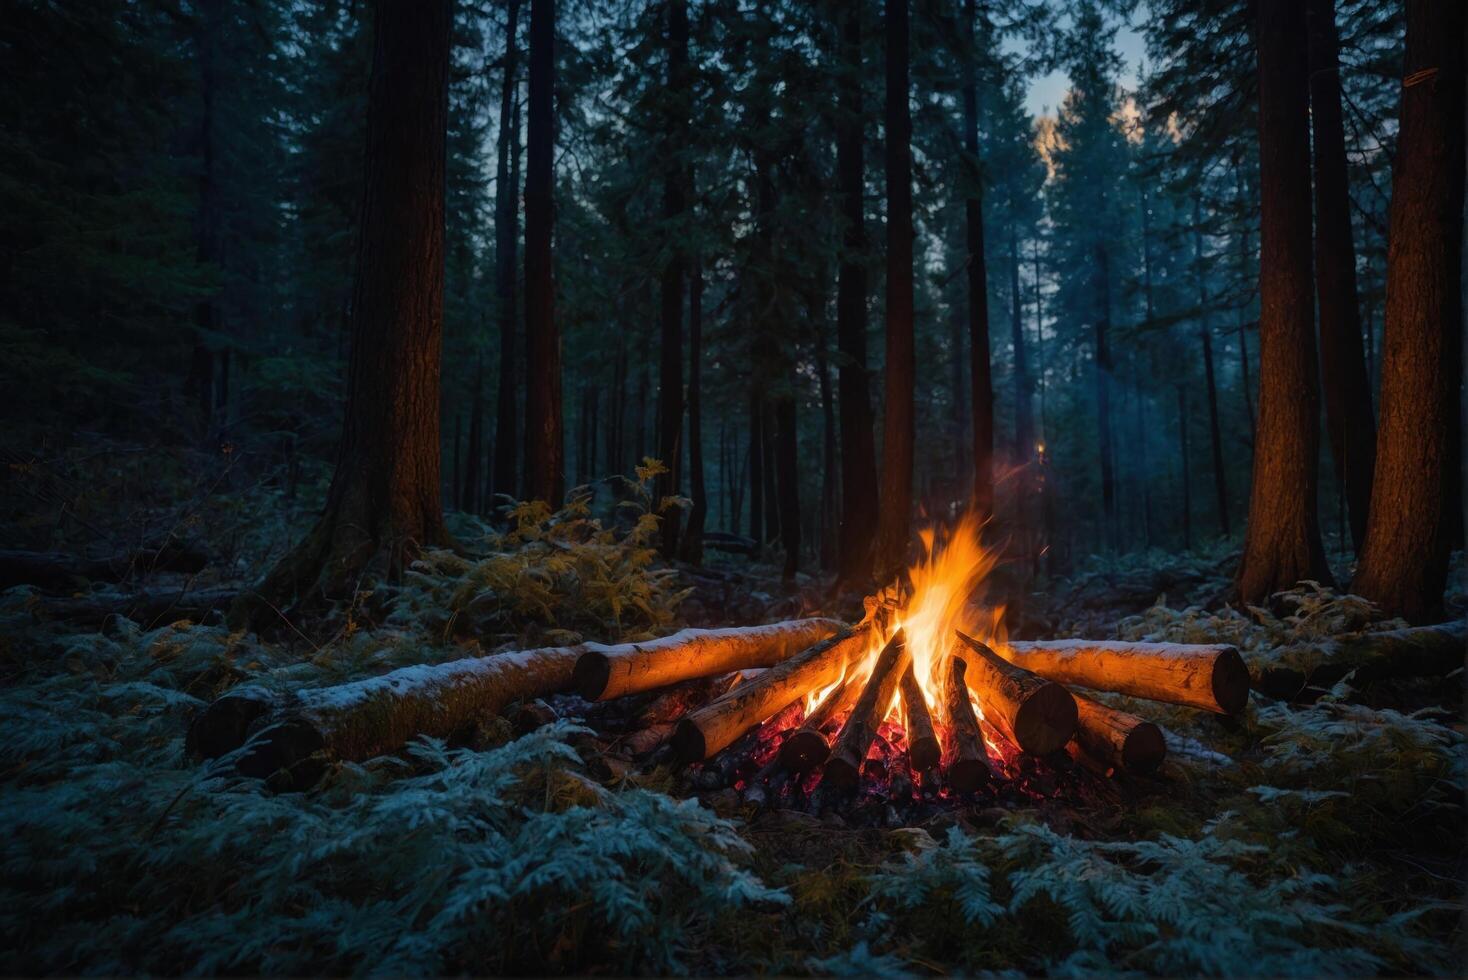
923,751
844,766
1212,677
606,672
713,727
657,719
1036,714
969,767
808,747
1121,740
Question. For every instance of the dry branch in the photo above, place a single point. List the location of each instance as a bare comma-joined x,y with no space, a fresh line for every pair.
844,766
711,728
968,768
1120,740
1034,713
1211,677
923,751
605,672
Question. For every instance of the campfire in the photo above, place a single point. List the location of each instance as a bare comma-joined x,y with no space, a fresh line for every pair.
925,698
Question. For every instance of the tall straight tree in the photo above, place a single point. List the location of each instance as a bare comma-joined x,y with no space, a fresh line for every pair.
1282,543
981,378
1404,559
692,543
895,520
858,450
1348,421
544,444
384,503
670,364
506,236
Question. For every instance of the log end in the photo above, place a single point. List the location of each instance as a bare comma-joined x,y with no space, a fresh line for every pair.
1046,720
967,775
840,773
1144,749
924,753
591,674
288,755
224,724
804,750
688,742
1230,681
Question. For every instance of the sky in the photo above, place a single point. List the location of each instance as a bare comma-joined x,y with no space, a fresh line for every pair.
1046,91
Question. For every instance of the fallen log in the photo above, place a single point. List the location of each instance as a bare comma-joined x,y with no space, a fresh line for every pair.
294,734
968,766
1211,677
923,752
1033,712
1118,739
603,673
857,735
711,728
59,570
808,746
143,607
1417,651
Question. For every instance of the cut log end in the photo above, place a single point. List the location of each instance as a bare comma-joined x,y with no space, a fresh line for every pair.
1046,720
840,773
1144,749
688,742
590,676
224,725
1230,681
804,750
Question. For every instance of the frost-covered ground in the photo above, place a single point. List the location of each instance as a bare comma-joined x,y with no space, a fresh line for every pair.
1332,843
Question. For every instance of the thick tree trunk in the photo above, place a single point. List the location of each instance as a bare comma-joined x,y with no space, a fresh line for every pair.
895,519
1404,560
858,451
506,245
670,351
384,502
1282,543
1348,422
980,373
544,443
692,544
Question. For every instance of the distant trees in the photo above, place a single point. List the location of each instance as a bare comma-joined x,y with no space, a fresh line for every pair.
506,244
383,504
980,375
670,358
1417,480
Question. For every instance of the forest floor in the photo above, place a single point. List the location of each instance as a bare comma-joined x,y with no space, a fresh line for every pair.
1297,839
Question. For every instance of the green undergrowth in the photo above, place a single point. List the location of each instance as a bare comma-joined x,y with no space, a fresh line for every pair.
1295,840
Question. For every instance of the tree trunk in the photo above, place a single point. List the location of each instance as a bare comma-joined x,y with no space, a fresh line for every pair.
830,506
469,490
698,516
1349,425
384,502
980,372
506,239
1182,438
200,381
770,432
1024,426
1103,394
1220,479
670,366
858,452
1404,560
787,454
756,472
1282,543
1244,256
544,446
894,520
617,410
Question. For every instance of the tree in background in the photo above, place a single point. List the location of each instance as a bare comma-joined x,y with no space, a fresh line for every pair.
980,375
1282,541
383,505
506,240
1404,558
670,360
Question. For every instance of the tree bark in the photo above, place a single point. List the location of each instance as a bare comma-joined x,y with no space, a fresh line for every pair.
830,479
670,364
544,441
1404,560
968,762
1024,426
980,372
1182,436
506,243
850,751
384,502
1121,740
1349,425
895,518
1220,478
787,454
1034,713
923,752
1282,542
858,452
1212,677
693,538
756,471
1102,273
469,499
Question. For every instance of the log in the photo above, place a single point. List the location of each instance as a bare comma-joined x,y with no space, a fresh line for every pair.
1417,651
808,746
296,734
1211,677
850,751
1118,739
711,728
657,719
923,752
968,767
1034,713
150,607
604,672
60,570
